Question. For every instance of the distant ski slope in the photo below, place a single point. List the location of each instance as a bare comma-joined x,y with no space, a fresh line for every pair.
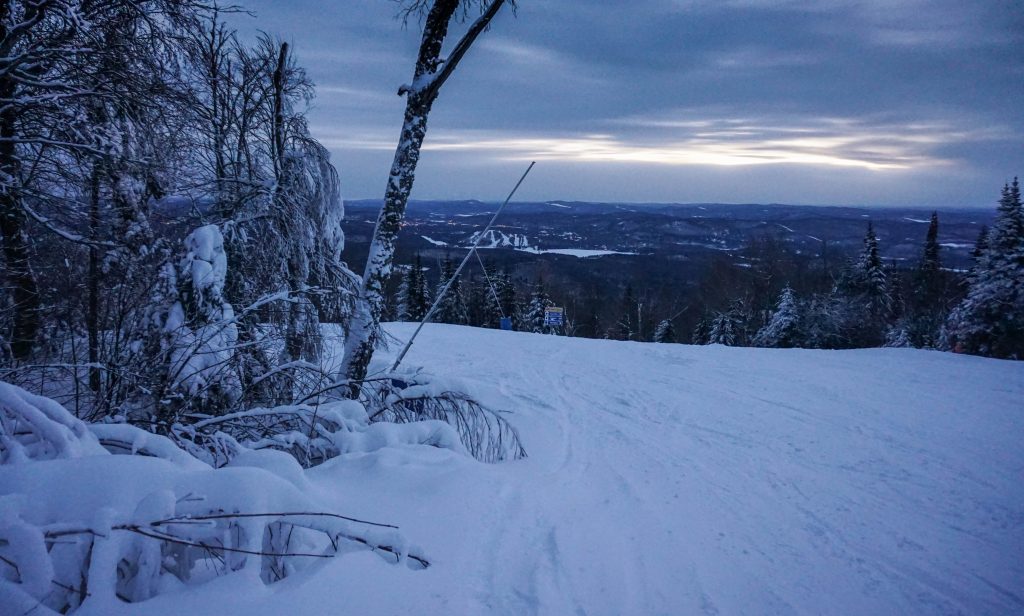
671,479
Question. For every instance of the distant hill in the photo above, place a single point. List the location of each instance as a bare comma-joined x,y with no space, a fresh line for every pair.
662,231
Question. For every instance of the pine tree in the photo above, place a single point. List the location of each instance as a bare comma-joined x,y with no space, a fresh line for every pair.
782,328
723,330
979,252
487,301
823,321
930,259
628,319
701,331
539,302
873,275
507,298
452,307
898,337
990,319
403,296
482,307
925,309
861,297
419,292
665,332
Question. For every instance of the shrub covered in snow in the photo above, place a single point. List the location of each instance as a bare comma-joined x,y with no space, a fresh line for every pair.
128,527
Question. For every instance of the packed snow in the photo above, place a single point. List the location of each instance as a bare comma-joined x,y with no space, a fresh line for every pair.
494,238
581,253
661,479
434,242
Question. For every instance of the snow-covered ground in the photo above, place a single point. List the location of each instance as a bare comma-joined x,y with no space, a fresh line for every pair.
672,479
580,253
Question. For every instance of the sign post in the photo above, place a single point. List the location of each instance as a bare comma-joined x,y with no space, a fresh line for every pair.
554,316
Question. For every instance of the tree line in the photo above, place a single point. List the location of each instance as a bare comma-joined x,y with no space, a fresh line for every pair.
780,299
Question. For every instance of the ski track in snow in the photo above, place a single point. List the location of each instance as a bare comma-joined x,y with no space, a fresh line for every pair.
672,479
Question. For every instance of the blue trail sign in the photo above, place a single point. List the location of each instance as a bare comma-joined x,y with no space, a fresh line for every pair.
554,315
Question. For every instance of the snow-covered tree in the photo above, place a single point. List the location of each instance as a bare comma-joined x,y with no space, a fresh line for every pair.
702,330
451,307
431,72
872,276
483,302
925,309
990,319
783,327
823,322
507,299
628,316
402,295
200,330
863,288
930,258
535,310
897,337
724,330
665,332
413,299
420,297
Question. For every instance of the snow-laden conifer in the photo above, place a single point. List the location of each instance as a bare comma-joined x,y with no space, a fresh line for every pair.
990,319
665,332
451,306
535,310
783,327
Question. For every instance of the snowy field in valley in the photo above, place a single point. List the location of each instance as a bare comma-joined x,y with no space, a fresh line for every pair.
673,479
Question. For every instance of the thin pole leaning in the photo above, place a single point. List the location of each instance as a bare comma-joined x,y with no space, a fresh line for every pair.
472,249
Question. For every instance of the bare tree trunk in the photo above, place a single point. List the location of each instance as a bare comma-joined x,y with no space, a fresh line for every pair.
18,268
431,73
92,318
298,268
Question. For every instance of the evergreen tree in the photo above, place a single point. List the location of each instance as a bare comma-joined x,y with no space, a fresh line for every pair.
823,322
489,298
665,332
990,319
926,309
979,252
628,319
898,337
701,331
402,297
482,307
507,299
419,292
782,328
930,259
873,275
452,305
861,297
539,302
723,330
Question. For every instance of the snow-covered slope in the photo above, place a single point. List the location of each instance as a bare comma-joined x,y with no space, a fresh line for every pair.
670,479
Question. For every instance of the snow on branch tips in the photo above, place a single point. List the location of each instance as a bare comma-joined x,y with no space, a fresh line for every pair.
421,399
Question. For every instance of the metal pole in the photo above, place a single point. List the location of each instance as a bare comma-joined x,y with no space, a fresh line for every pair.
497,302
472,249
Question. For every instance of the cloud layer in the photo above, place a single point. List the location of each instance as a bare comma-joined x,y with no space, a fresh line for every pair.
834,101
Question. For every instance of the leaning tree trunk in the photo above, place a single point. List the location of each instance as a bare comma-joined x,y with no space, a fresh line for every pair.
431,73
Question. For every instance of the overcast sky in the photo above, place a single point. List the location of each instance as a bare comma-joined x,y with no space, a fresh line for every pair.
907,102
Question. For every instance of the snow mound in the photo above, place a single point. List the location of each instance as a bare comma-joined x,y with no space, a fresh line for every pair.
83,529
